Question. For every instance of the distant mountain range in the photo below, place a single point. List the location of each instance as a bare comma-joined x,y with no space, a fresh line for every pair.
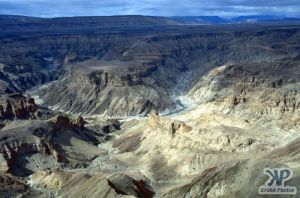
204,20
25,23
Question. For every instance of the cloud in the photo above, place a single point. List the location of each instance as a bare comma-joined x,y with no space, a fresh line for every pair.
53,8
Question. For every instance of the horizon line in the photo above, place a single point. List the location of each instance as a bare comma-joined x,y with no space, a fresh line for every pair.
223,17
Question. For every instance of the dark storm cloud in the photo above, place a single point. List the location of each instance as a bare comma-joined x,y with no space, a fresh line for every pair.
150,7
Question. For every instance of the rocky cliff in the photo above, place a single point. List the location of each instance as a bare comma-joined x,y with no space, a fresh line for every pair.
149,69
252,89
18,107
30,145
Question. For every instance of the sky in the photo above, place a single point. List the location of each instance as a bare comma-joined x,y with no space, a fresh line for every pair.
224,8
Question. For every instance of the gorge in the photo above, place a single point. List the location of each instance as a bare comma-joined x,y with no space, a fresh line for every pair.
146,106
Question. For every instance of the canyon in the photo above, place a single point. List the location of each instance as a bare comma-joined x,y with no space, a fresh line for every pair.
135,106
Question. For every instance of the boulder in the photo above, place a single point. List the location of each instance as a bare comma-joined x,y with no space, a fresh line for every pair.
125,185
179,126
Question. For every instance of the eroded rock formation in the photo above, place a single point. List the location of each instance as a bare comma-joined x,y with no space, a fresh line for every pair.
173,126
64,121
18,107
272,88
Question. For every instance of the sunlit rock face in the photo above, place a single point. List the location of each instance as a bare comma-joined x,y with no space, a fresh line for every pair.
272,88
